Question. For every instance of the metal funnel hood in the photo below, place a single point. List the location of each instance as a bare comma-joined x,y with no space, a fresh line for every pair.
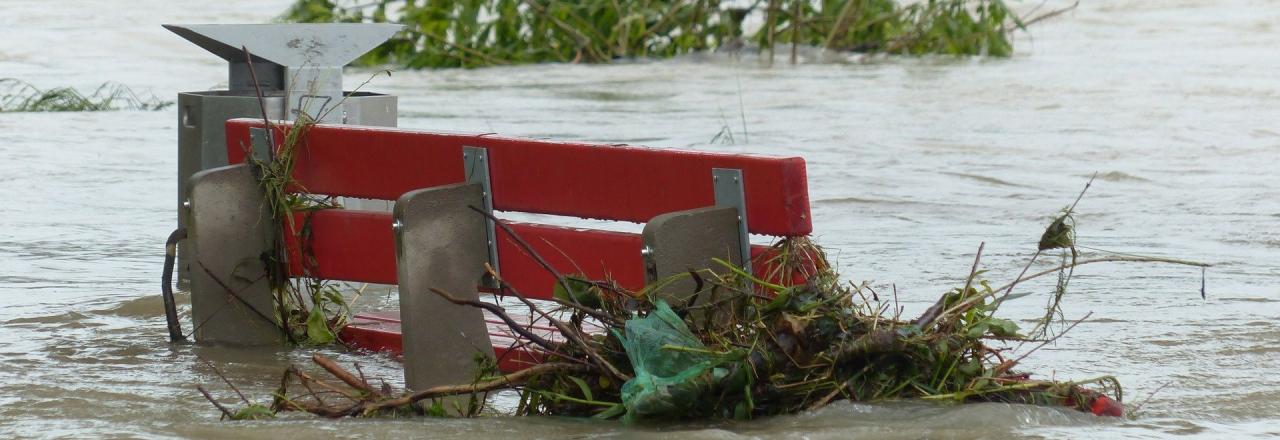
302,62
291,45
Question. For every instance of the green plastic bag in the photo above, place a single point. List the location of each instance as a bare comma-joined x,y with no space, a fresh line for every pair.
668,382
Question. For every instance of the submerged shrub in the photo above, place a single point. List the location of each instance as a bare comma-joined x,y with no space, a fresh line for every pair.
19,96
473,33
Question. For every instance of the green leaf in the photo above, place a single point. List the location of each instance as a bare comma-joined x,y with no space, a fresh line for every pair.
979,330
1003,327
908,330
436,409
613,411
253,412
741,411
583,291
318,331
582,385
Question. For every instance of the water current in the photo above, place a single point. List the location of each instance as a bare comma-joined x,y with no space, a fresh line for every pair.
912,163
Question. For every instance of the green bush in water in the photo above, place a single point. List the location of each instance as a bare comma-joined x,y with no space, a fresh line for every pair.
19,96
475,33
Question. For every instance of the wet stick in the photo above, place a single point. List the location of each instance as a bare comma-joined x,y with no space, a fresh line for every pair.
505,381
542,262
501,314
343,375
564,329
927,318
225,412
224,378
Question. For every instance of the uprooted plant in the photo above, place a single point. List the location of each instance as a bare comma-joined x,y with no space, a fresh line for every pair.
790,338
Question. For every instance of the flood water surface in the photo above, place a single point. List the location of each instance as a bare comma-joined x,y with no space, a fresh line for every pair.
912,163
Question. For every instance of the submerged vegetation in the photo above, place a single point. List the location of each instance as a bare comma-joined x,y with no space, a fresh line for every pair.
19,96
738,346
309,310
475,33
730,345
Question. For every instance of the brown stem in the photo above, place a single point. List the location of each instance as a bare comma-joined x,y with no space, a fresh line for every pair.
1051,339
262,103
224,379
1117,259
568,332
795,29
342,374
560,278
927,318
236,295
771,23
1050,14
501,314
842,24
500,382
878,341
481,55
830,396
225,412
305,378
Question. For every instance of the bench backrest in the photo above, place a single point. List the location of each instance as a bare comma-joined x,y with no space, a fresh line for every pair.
609,182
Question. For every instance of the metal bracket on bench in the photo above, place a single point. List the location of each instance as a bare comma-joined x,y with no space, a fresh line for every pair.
727,183
260,142
475,164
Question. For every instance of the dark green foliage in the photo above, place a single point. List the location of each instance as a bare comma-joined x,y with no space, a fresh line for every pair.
473,33
253,412
949,27
1060,234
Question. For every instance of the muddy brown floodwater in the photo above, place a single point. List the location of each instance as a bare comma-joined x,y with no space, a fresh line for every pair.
912,163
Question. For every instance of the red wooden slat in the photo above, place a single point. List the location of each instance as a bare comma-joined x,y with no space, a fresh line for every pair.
373,336
345,245
597,254
375,163
584,180
350,245
636,184
380,332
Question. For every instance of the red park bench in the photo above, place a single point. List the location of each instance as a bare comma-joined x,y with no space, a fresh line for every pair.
691,203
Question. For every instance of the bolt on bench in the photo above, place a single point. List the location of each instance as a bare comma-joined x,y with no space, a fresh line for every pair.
695,205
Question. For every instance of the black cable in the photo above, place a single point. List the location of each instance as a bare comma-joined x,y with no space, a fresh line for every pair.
166,288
